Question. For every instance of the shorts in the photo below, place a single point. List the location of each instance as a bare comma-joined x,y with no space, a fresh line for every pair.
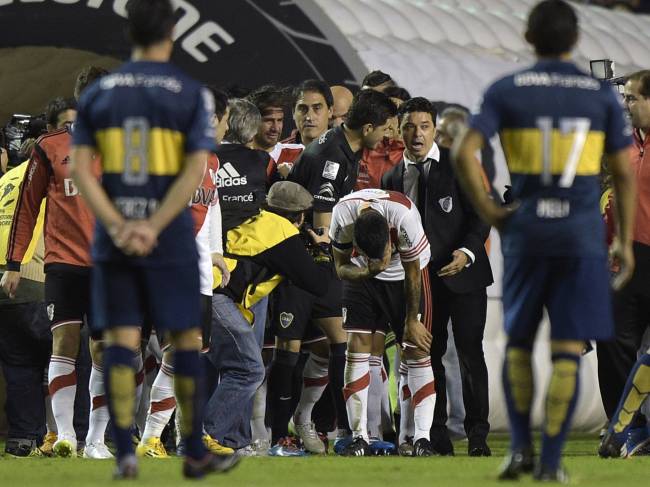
67,294
294,310
123,295
574,290
206,327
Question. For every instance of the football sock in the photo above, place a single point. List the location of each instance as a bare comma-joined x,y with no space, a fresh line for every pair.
63,388
314,381
355,392
98,408
336,374
50,423
281,386
119,378
386,414
561,399
423,399
406,427
162,402
518,386
375,393
188,389
635,392
258,423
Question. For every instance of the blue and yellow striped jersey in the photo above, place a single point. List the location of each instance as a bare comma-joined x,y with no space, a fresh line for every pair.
554,122
143,119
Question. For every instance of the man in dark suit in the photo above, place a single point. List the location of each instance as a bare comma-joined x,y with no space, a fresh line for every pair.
459,270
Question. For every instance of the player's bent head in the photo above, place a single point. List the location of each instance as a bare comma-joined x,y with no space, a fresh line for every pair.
371,235
150,21
552,28
86,77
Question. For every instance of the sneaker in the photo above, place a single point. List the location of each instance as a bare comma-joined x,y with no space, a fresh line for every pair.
65,447
341,443
309,436
127,468
151,447
422,448
406,448
286,447
48,444
611,445
195,469
637,440
215,447
97,451
381,448
516,463
358,448
544,474
21,448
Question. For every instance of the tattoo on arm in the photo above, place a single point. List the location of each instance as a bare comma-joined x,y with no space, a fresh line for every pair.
413,288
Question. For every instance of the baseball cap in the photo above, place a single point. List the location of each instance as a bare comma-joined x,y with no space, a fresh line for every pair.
289,196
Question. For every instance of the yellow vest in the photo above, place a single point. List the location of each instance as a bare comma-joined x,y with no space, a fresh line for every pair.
9,192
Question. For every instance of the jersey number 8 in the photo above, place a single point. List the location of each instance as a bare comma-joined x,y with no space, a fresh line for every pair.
136,151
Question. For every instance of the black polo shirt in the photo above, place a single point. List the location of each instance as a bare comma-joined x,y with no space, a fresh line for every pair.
327,168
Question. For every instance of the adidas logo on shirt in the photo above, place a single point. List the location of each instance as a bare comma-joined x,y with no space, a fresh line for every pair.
228,176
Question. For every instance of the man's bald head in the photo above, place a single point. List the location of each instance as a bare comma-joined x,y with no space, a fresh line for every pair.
342,101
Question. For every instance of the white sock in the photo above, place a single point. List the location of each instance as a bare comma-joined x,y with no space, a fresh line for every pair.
314,381
355,392
63,388
420,382
375,392
50,424
98,407
258,425
162,402
386,410
406,427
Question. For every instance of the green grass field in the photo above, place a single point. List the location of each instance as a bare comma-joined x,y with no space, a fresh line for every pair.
584,467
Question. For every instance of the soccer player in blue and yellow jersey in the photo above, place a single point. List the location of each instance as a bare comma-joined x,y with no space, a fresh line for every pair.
151,125
554,122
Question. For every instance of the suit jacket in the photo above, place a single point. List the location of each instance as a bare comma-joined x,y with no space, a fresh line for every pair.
450,223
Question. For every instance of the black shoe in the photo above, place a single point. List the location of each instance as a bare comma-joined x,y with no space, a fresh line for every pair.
358,448
611,445
127,468
441,445
422,448
478,447
20,447
195,469
516,463
544,474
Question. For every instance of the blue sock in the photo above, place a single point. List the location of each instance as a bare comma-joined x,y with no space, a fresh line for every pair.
119,377
636,390
561,399
518,387
189,389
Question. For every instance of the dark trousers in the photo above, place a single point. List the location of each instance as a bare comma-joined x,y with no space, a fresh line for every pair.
25,345
467,312
631,319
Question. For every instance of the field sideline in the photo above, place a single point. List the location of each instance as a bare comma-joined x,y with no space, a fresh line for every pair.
584,467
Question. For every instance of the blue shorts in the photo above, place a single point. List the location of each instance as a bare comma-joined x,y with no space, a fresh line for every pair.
167,297
574,290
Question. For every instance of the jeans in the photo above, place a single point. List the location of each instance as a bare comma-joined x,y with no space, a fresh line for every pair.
237,358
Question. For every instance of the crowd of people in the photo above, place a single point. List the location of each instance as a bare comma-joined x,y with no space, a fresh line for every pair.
168,244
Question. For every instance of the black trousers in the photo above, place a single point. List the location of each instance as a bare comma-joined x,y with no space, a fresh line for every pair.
631,318
467,312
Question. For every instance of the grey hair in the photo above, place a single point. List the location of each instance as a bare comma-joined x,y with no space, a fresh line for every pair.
455,112
243,121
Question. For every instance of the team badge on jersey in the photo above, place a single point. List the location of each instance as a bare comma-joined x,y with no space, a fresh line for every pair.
331,170
50,311
446,204
286,319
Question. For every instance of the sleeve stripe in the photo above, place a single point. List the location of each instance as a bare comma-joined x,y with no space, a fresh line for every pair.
417,249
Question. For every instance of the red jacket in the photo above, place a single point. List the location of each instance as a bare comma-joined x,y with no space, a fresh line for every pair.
641,168
374,163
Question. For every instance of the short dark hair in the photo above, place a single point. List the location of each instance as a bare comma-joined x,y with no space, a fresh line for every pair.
220,101
643,77
56,106
150,21
397,92
552,28
316,86
417,104
370,106
371,234
268,96
86,77
376,78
